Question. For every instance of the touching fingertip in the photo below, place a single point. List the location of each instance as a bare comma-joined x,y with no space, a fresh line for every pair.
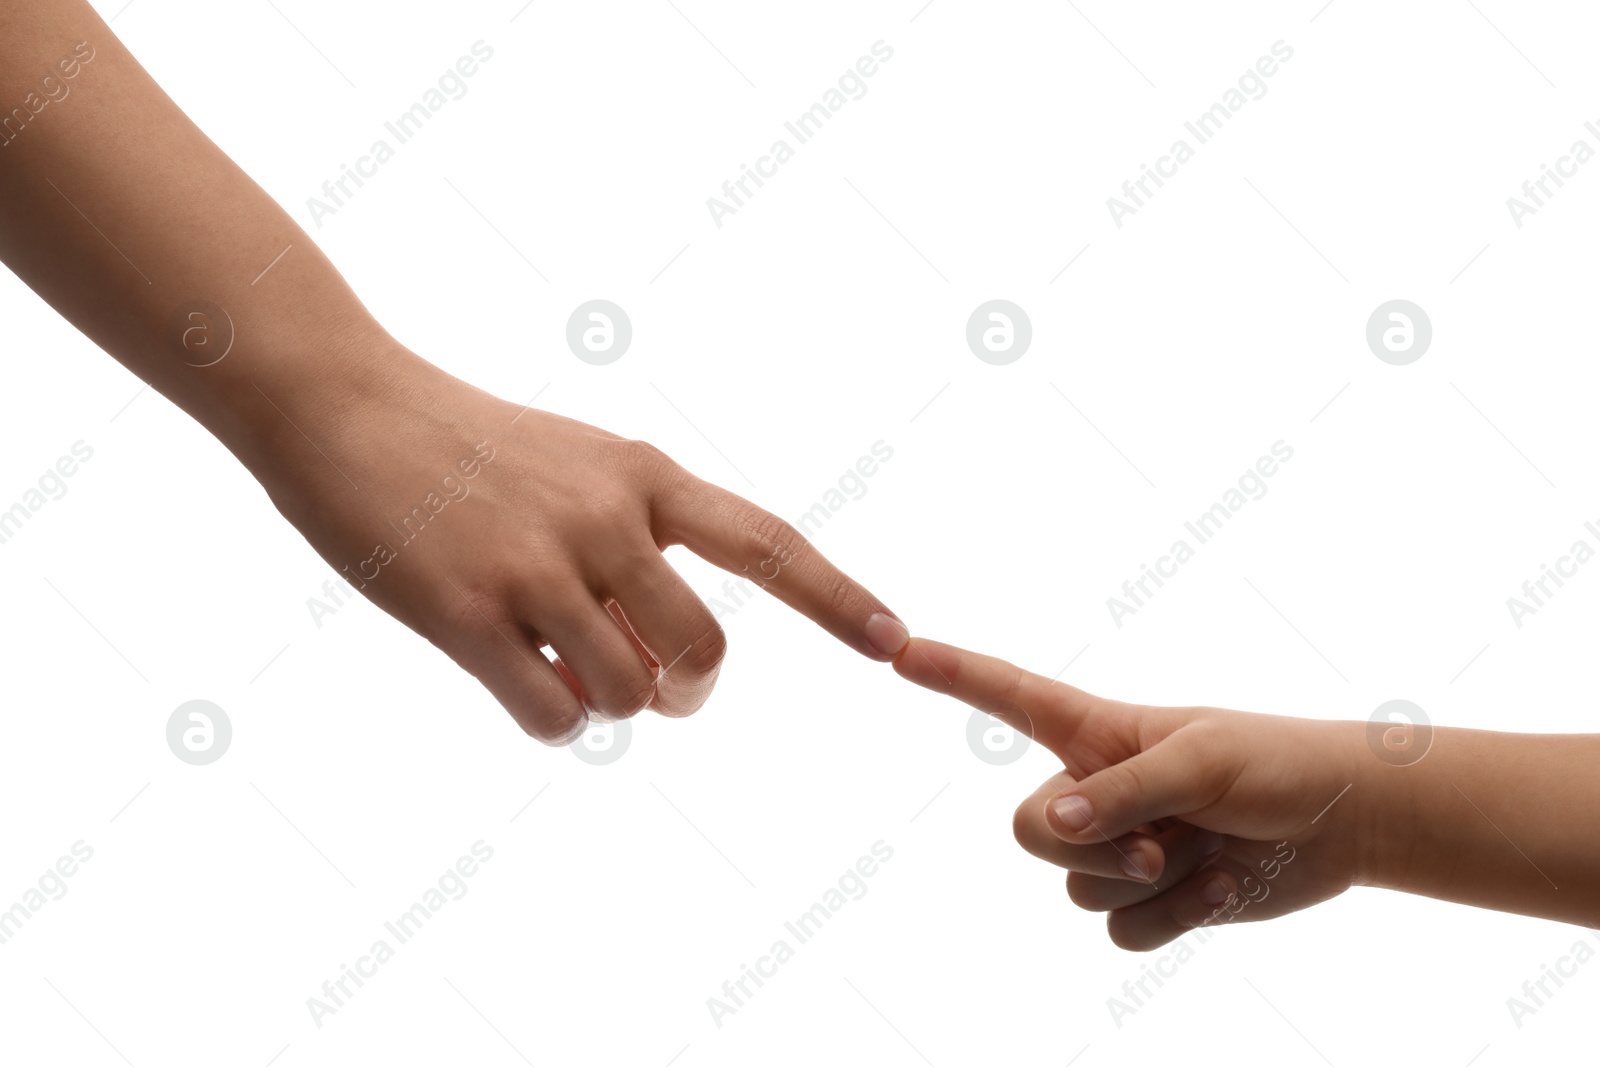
886,634
928,663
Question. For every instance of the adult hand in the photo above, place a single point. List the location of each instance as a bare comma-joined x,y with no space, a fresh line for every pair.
494,530
490,529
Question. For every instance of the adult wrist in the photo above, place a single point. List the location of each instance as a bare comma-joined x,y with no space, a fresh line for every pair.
285,390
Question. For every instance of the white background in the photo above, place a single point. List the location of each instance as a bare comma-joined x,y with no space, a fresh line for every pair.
1226,315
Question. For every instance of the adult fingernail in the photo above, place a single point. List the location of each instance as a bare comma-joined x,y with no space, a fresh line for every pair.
1134,866
1075,813
1214,892
1211,844
886,633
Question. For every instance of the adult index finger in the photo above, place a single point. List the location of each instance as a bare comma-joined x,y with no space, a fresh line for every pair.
727,530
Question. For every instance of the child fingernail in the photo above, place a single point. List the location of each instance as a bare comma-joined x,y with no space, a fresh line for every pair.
1074,812
886,633
1135,866
1214,892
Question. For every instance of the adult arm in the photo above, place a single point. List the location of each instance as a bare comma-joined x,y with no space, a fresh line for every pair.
488,528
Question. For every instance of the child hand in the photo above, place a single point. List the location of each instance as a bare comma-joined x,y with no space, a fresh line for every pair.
1172,818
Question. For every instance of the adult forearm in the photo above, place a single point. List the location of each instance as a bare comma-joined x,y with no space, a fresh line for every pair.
126,218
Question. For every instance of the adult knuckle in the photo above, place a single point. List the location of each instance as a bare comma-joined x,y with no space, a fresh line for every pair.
706,652
642,457
840,594
626,697
765,533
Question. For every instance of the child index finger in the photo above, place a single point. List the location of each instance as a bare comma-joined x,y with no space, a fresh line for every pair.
1048,712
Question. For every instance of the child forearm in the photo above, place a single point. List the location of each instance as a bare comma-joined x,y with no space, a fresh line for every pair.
1497,820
